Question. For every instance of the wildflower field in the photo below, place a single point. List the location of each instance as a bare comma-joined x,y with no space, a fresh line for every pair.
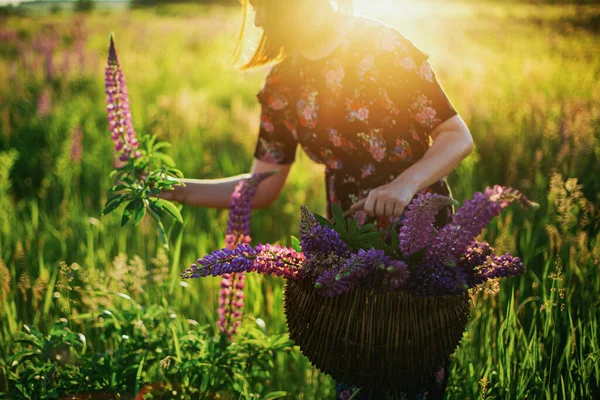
87,306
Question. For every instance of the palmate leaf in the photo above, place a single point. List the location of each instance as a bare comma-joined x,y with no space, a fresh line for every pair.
366,228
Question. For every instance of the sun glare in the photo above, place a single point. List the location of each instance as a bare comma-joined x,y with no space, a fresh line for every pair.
390,9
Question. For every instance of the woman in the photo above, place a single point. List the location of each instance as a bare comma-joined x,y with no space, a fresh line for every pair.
359,97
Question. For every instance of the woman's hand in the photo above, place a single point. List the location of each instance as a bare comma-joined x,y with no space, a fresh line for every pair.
177,194
453,142
390,199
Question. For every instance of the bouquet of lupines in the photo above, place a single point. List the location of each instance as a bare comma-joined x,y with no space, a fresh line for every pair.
144,171
340,255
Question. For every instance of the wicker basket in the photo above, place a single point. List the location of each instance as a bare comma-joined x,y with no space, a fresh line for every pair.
392,340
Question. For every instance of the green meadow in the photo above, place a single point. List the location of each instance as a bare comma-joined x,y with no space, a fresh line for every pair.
88,306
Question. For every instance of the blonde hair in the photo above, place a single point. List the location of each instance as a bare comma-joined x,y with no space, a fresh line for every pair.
271,46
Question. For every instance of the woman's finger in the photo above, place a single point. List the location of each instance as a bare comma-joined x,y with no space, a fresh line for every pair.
380,207
389,209
370,203
399,209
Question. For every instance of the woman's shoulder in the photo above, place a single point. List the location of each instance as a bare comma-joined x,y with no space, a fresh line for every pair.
379,37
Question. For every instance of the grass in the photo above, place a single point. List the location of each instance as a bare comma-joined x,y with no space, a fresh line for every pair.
523,77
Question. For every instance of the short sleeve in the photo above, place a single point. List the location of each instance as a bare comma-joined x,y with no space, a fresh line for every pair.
277,139
412,80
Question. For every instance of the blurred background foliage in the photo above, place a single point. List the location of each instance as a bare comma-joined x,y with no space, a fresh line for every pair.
104,308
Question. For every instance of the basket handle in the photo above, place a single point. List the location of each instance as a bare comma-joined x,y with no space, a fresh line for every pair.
359,206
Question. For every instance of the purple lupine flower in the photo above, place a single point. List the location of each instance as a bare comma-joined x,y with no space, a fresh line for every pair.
417,230
366,268
238,231
499,267
240,208
265,259
476,255
323,246
428,280
468,222
231,303
117,106
397,274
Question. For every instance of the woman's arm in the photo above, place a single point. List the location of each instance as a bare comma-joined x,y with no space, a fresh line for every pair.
216,193
452,143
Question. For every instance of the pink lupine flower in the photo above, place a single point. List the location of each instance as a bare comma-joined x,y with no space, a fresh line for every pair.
238,231
117,106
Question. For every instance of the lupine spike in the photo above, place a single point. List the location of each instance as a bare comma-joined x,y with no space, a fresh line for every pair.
117,107
325,245
264,259
468,222
238,232
366,268
416,232
500,267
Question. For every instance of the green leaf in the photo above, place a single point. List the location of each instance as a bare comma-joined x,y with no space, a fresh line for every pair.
154,213
160,145
139,213
366,228
150,139
166,159
296,244
338,216
275,395
323,221
128,212
138,375
170,208
369,235
352,226
113,203
394,239
140,163
175,172
122,186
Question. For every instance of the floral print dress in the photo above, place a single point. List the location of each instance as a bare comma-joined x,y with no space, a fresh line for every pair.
366,112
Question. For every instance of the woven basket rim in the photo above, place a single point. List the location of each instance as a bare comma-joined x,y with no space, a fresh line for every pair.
374,293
